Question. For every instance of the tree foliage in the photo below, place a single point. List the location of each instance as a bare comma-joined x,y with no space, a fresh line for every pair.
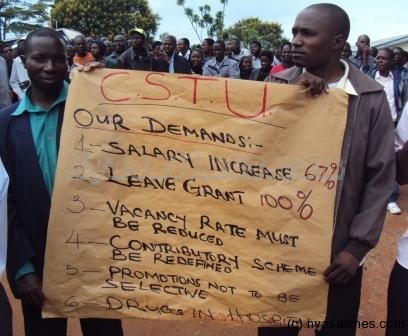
104,18
20,17
268,33
203,21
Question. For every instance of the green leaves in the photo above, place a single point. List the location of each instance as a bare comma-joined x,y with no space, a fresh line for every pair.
20,17
105,18
204,21
268,33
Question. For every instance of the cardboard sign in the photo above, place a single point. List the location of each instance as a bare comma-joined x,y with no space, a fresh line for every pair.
186,197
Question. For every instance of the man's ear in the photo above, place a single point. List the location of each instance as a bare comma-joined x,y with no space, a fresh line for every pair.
338,42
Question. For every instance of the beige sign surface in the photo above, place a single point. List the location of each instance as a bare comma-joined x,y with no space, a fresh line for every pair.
186,197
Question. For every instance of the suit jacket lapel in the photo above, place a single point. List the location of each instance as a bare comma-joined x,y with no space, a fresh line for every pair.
24,138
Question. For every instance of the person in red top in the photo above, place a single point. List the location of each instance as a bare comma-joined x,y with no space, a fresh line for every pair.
82,56
286,58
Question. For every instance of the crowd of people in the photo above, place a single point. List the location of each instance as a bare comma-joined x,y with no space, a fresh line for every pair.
35,77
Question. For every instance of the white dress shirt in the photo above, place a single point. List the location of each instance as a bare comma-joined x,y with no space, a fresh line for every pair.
18,75
388,84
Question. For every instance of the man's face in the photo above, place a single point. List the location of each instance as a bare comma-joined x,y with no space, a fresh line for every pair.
8,53
265,63
235,46
312,39
70,52
169,46
346,52
286,54
181,46
218,50
399,57
255,49
138,40
46,63
196,58
384,60
119,44
206,47
89,41
80,45
362,43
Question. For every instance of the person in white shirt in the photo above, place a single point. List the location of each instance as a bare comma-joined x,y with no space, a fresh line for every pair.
383,75
5,309
183,48
19,80
236,51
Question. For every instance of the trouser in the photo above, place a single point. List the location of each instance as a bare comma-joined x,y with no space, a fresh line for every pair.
397,303
34,325
5,314
395,193
342,308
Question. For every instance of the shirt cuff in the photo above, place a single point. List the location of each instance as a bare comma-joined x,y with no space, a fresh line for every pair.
24,270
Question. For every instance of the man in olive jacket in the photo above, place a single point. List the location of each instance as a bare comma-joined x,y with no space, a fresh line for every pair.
368,169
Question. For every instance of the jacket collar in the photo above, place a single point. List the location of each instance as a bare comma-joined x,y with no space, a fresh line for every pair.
360,81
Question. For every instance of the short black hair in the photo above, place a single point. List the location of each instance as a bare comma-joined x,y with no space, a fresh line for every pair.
388,50
266,53
43,32
255,42
156,43
366,36
209,40
220,42
186,42
338,17
285,44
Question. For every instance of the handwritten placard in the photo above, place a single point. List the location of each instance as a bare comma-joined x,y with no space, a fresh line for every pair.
186,197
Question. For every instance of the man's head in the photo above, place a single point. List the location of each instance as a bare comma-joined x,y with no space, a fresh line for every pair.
319,34
109,47
266,57
156,49
98,49
89,40
20,47
363,42
236,45
207,45
286,54
373,51
183,45
169,44
255,48
70,53
119,43
218,50
346,52
80,45
7,52
384,61
400,56
45,60
138,37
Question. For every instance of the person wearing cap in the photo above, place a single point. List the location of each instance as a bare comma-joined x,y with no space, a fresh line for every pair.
137,57
98,49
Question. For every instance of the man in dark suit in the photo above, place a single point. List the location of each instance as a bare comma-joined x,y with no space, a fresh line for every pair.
29,141
172,62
